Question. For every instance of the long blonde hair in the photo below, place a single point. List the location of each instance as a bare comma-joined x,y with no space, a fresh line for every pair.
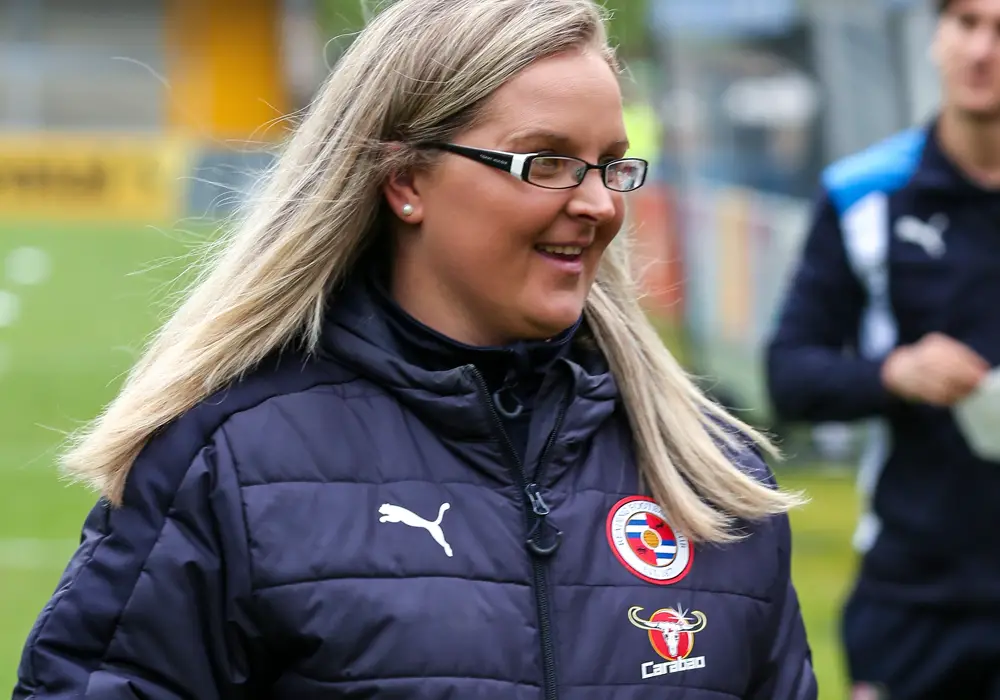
420,71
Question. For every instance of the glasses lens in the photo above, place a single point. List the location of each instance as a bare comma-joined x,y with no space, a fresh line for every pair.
626,175
556,172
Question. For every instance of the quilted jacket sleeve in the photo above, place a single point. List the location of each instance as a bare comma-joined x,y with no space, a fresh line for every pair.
811,375
788,672
151,604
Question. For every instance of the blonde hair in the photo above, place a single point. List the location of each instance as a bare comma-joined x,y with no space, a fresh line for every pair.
420,71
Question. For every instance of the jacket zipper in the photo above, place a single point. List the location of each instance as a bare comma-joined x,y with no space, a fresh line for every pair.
535,519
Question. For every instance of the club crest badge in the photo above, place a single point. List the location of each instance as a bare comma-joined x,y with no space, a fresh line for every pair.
645,544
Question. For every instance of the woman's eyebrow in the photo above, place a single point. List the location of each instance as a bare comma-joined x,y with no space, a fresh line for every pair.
549,138
552,138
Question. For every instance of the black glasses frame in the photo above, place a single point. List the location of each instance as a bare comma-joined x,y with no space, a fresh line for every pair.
519,164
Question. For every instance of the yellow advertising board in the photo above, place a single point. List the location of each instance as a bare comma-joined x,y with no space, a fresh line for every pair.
92,177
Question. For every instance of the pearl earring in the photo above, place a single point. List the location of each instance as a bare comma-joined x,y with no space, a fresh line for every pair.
407,209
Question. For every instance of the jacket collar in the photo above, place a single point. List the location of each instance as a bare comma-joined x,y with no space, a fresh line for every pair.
937,172
519,367
357,334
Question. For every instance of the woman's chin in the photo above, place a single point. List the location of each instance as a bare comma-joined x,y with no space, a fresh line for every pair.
553,321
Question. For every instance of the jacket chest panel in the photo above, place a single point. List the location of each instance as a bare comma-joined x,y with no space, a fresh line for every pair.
944,276
372,627
310,531
659,637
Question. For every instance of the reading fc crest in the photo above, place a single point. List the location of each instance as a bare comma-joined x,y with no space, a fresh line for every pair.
645,544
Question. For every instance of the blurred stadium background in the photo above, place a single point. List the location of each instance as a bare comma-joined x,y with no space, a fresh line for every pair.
129,128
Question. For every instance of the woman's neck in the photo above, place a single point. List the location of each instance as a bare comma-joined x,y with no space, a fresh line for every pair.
424,298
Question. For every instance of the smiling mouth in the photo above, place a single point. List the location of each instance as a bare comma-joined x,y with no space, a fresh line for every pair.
560,252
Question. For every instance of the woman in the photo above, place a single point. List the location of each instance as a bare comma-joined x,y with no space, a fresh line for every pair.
435,406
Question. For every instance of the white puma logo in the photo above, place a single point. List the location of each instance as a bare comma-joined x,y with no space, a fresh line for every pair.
928,235
397,514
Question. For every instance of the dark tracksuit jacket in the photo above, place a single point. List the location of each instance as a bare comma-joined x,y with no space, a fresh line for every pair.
404,517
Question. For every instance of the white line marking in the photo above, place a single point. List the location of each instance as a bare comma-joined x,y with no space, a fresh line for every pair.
33,554
10,308
28,266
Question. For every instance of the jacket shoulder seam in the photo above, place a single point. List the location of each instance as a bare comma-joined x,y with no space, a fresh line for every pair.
886,166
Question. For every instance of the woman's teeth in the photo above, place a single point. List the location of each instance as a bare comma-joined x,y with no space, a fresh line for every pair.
561,249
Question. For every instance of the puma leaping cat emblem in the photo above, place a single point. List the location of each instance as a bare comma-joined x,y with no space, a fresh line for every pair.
398,514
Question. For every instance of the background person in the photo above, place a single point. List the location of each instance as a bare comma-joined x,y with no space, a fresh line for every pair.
902,270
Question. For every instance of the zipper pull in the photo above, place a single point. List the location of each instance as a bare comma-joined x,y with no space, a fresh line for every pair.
540,508
498,402
538,504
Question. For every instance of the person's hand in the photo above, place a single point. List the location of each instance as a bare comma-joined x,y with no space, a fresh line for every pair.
936,370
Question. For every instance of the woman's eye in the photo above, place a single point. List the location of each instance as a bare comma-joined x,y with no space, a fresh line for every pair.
547,164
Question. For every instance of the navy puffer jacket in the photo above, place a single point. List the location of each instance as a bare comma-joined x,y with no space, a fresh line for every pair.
358,526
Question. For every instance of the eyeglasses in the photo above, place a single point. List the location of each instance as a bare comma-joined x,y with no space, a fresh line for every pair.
554,172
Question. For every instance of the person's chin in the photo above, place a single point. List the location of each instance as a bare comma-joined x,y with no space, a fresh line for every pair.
552,321
980,107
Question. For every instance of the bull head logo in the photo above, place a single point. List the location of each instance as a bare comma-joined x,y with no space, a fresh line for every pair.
670,632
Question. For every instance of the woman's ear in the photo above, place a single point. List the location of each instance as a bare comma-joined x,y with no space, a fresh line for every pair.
401,193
